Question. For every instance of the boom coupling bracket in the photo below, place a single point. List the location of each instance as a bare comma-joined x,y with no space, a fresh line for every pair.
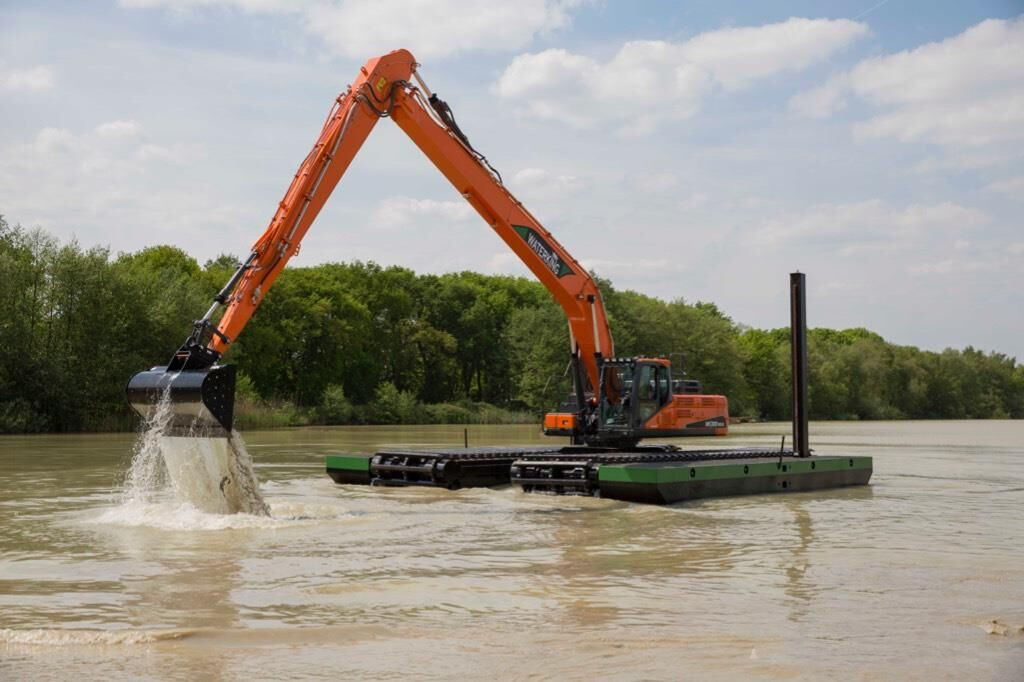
192,395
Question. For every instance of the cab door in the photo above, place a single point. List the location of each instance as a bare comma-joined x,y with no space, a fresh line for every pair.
654,391
647,396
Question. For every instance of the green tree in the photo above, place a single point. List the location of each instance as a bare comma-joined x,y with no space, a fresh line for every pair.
344,342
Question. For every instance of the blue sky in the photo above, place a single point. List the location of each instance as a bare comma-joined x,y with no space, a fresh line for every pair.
699,150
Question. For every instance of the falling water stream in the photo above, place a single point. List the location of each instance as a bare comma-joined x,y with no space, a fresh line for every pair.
211,472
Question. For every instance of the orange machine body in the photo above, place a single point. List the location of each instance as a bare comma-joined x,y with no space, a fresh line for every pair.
693,414
697,415
560,423
642,403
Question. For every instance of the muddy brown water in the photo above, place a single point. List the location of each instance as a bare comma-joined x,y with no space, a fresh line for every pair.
919,576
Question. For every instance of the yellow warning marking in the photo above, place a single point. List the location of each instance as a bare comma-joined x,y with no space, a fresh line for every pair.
381,82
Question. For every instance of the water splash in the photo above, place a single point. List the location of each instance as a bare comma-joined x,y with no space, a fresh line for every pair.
248,486
213,473
146,479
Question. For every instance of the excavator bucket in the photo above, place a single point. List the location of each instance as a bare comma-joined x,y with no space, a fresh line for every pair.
193,410
199,402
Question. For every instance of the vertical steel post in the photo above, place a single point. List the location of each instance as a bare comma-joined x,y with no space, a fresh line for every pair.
798,343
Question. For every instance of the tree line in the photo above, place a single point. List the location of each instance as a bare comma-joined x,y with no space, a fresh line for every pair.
362,343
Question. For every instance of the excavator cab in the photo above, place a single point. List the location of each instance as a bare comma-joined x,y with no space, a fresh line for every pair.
637,398
632,392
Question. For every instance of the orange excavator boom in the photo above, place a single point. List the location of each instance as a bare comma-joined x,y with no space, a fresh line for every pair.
386,87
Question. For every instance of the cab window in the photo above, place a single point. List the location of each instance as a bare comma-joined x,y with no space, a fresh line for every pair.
647,386
647,392
664,385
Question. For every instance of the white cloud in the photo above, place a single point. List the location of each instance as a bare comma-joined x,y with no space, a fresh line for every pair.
822,101
505,263
398,211
539,183
676,77
945,214
965,91
657,182
35,78
868,225
968,159
104,181
984,57
991,259
113,142
615,267
156,152
693,201
947,266
428,28
738,56
54,140
1013,187
995,119
188,5
118,129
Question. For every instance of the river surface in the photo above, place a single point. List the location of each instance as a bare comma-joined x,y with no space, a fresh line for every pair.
918,576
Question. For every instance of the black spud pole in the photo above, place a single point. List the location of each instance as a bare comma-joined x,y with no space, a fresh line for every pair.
798,343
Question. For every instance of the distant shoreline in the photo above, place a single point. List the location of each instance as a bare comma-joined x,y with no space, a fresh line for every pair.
361,343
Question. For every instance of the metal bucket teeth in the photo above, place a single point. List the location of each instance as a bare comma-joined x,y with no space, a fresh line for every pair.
202,402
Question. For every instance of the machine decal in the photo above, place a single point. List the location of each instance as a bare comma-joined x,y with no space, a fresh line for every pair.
541,248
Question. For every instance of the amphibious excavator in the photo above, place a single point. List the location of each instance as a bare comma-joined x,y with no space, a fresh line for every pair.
617,401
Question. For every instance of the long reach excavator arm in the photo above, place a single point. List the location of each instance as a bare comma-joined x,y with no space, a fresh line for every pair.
387,87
